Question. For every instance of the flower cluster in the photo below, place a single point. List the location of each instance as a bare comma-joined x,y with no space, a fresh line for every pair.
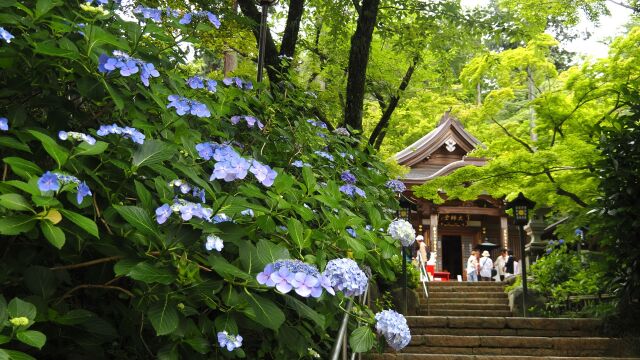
220,218
346,276
323,154
396,186
352,190
319,124
341,131
53,181
187,210
186,188
186,19
552,245
100,2
247,212
127,65
299,164
126,132
184,105
198,82
402,230
64,135
287,274
231,342
5,35
149,13
241,84
231,166
394,328
213,242
4,124
250,120
352,233
348,177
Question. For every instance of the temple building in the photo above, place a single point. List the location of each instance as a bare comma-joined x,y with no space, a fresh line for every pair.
454,228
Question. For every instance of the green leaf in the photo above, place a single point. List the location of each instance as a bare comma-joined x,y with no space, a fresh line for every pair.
15,202
84,223
269,252
32,338
74,317
150,274
199,344
124,266
40,280
138,218
85,149
97,36
305,311
225,269
362,339
50,48
152,152
296,230
54,234
23,168
359,250
309,179
115,95
143,194
3,311
10,142
263,311
163,317
18,355
44,6
19,308
14,225
57,152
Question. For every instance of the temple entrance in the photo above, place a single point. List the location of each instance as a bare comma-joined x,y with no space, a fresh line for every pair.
452,255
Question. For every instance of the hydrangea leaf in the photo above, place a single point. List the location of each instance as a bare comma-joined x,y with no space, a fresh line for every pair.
305,311
226,269
263,311
32,338
10,142
138,218
53,234
40,280
83,222
297,233
164,317
152,152
85,149
362,339
14,225
57,152
269,252
150,274
15,202
18,355
23,168
20,308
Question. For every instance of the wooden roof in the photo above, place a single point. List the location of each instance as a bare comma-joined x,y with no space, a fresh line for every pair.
449,141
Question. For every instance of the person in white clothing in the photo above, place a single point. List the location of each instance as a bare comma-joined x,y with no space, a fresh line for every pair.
500,265
472,267
486,265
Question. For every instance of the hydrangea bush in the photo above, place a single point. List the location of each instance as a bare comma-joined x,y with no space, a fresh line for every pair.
144,214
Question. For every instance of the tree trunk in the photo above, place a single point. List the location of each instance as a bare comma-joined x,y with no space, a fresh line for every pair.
532,115
379,132
358,60
230,56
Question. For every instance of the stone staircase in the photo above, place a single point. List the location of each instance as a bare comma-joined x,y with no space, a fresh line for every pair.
465,321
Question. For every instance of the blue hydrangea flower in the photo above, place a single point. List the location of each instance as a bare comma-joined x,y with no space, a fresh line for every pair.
64,135
250,120
101,2
394,328
348,177
299,164
5,35
48,182
212,85
352,190
195,82
188,17
345,155
231,342
83,190
324,155
149,13
126,132
263,173
352,232
186,209
403,231
186,188
213,242
286,275
238,82
163,213
184,105
561,241
247,212
346,276
368,227
319,124
127,66
396,186
4,124
220,218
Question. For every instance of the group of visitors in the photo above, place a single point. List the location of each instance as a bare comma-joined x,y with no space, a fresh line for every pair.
482,268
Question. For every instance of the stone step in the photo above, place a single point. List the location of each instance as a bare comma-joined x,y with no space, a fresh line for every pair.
465,288
462,306
517,323
465,300
502,332
404,356
531,352
464,283
435,294
449,312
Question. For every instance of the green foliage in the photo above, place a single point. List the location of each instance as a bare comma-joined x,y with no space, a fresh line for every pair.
102,277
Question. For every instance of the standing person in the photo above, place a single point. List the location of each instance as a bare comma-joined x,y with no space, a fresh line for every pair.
500,264
516,266
509,265
472,267
422,249
486,265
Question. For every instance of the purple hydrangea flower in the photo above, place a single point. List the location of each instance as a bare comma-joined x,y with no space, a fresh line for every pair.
352,232
163,213
324,155
83,190
127,65
48,182
394,328
212,85
220,218
184,105
5,35
126,132
263,173
231,342
346,276
238,82
348,177
304,279
4,124
319,124
250,120
352,190
195,82
213,242
396,186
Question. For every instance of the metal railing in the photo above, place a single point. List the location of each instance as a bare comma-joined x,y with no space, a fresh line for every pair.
424,278
340,346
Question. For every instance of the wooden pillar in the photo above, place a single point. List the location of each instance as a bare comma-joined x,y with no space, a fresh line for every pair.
435,242
504,232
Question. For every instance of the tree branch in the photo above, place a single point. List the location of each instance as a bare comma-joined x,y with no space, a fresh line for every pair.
521,142
87,263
